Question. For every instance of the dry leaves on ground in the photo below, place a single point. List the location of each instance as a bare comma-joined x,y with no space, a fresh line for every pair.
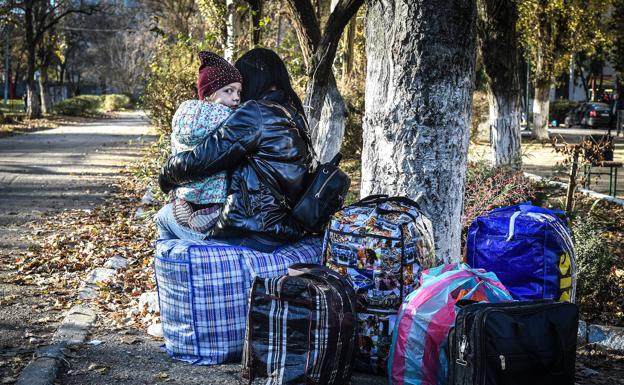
71,243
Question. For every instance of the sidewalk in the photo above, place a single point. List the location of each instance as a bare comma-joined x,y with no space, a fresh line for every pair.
542,160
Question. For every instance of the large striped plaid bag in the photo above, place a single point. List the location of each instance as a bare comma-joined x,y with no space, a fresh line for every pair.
203,288
301,328
418,355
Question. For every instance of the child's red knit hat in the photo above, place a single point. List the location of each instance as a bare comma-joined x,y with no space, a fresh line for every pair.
214,73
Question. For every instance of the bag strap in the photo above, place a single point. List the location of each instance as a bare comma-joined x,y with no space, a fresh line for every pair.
381,198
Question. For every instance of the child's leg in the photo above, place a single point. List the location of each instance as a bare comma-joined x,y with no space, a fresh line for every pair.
168,228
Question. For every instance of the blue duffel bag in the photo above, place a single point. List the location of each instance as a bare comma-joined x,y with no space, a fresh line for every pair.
529,248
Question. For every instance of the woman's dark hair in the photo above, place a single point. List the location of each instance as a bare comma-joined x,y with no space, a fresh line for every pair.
261,69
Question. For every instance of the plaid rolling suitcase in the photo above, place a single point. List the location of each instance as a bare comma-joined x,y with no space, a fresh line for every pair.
301,328
380,244
514,343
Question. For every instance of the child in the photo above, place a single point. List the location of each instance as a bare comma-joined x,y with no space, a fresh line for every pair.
197,205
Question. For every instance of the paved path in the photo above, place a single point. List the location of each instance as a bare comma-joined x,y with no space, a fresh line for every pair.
42,173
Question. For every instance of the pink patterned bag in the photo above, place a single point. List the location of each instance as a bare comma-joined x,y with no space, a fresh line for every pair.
418,352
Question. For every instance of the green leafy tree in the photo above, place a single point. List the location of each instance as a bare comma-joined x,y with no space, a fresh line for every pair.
551,31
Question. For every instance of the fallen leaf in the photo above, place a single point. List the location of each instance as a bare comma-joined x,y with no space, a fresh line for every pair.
162,376
101,369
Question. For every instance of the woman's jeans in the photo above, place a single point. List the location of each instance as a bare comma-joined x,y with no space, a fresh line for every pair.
168,228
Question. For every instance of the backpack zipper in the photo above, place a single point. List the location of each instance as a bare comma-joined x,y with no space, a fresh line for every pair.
318,194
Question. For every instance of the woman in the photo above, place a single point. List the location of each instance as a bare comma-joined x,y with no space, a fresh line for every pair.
264,142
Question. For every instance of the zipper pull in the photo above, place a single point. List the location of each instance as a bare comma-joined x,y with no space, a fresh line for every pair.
462,350
502,360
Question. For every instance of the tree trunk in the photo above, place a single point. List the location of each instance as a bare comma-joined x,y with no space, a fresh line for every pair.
232,25
326,113
505,137
256,16
499,47
46,104
541,106
347,61
33,110
328,127
420,78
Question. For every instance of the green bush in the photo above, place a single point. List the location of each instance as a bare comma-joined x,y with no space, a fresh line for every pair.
597,285
559,109
172,79
115,102
83,105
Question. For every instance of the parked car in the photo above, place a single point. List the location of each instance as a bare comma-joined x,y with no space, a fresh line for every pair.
591,114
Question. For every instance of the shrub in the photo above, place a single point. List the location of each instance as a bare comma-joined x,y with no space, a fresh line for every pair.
490,187
115,102
172,79
83,105
559,109
597,285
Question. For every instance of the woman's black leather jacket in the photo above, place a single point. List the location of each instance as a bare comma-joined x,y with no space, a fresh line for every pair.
279,145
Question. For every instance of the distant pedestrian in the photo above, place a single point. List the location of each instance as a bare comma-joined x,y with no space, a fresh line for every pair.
25,99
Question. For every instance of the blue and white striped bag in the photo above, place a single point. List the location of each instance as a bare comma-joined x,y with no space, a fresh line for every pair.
202,292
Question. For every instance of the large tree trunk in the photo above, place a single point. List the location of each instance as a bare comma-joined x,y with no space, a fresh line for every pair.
327,127
499,47
420,79
541,106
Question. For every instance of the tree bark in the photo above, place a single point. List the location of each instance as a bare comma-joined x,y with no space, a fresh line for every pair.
347,63
231,25
505,137
420,78
46,104
541,107
499,47
33,110
330,125
325,108
256,16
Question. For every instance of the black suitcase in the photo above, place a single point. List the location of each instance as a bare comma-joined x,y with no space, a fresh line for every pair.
514,343
301,328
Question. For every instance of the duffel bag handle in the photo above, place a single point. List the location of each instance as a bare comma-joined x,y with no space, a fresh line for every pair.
380,198
375,198
527,207
299,269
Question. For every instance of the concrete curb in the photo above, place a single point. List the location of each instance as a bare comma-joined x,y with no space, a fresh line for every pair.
47,361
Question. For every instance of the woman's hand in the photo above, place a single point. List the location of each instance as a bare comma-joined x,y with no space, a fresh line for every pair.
165,185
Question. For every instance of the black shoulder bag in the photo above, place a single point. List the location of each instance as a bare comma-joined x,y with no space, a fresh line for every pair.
323,195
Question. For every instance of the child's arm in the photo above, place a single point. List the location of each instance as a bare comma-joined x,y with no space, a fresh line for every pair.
224,149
